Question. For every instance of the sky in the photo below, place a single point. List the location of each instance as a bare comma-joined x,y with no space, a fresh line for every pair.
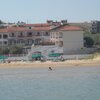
38,11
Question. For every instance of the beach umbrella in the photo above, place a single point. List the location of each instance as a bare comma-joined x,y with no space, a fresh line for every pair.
3,57
36,56
55,54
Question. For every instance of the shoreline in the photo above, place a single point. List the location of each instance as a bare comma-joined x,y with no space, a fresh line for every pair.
67,63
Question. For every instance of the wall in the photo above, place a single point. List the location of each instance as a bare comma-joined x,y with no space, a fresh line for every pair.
72,41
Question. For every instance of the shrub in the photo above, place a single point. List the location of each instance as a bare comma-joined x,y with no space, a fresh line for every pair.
88,42
16,50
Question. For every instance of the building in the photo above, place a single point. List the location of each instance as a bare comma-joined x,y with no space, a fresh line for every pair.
95,27
26,34
70,37
22,36
59,33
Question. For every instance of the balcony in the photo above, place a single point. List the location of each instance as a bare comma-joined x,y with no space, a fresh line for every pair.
21,36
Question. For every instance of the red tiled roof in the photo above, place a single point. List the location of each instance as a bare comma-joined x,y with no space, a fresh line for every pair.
68,28
11,29
37,25
42,24
46,28
21,29
41,28
71,28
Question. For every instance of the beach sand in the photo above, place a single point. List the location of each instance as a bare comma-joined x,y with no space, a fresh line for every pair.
67,63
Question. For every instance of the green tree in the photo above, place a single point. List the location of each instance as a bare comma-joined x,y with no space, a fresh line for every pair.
88,42
16,50
4,51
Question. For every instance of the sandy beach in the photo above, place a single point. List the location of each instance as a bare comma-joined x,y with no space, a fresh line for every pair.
76,63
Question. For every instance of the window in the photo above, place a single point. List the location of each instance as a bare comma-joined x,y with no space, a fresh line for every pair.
38,33
29,34
26,42
37,41
18,41
60,35
30,27
56,37
0,43
5,36
12,34
21,34
47,34
33,42
0,36
5,42
21,41
12,42
30,41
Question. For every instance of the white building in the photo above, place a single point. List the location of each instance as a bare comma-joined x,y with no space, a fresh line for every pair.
62,34
26,35
70,37
95,27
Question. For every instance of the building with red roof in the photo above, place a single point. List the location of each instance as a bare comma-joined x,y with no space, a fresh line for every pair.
70,37
59,33
26,34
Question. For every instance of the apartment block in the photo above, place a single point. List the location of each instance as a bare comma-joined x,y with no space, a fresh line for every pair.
95,27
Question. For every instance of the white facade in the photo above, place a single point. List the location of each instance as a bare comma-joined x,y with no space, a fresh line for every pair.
72,41
56,36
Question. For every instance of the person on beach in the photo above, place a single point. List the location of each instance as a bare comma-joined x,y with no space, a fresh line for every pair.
62,59
50,68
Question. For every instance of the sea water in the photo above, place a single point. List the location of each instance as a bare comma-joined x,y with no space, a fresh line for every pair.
62,83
